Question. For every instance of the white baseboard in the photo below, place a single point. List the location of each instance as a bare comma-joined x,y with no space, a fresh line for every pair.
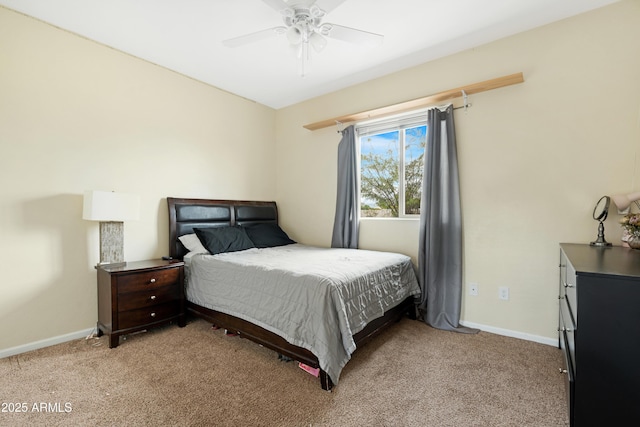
46,343
86,332
513,334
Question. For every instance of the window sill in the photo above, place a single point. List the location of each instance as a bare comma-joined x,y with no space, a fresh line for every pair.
404,218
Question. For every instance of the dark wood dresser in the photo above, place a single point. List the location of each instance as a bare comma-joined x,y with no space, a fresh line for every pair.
139,295
600,333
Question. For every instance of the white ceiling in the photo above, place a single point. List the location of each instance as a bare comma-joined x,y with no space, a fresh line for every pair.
186,36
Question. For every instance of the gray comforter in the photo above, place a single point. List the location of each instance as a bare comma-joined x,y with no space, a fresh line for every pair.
315,298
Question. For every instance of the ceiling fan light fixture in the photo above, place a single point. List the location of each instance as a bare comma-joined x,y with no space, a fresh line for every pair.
318,42
294,35
288,12
316,12
303,27
325,29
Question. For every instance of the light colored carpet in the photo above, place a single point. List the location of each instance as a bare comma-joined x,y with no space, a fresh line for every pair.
411,375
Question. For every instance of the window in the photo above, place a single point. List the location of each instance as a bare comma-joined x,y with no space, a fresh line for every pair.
391,165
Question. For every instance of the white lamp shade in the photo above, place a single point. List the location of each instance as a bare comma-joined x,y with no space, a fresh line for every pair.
110,206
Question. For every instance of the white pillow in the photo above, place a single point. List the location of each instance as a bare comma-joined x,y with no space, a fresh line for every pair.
193,244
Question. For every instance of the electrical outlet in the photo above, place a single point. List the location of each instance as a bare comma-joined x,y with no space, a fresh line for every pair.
473,289
503,293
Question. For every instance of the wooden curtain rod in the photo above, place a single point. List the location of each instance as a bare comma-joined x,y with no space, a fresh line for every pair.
421,102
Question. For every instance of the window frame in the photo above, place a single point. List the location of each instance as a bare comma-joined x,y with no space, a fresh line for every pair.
400,123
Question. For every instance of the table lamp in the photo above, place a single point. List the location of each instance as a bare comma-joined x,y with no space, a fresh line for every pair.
111,209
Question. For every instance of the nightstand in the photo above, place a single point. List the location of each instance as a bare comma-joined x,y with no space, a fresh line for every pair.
139,295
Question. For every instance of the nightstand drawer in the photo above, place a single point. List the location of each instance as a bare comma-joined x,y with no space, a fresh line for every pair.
147,315
148,298
139,295
147,280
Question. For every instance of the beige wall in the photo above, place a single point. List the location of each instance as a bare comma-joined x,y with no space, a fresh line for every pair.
74,116
534,158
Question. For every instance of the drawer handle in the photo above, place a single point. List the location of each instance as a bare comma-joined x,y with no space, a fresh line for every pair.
152,281
153,297
562,371
153,315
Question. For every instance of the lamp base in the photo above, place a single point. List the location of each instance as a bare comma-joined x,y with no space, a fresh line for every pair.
110,264
111,242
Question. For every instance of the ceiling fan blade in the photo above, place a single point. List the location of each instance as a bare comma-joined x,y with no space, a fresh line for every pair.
328,5
254,37
278,5
351,35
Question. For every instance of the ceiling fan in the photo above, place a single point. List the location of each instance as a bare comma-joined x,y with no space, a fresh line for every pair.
303,26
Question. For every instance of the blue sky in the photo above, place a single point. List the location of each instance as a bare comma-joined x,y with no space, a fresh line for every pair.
381,143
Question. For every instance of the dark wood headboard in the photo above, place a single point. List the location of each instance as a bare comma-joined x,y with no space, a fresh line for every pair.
187,214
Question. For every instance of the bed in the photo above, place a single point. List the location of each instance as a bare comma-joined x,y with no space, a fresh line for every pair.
320,327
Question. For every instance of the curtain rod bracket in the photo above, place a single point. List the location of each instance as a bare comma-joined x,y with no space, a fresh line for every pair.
465,99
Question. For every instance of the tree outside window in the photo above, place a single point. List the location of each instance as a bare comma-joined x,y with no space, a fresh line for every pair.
391,165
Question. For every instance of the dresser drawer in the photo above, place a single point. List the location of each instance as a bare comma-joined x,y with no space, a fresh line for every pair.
149,297
569,375
570,290
567,330
147,315
567,313
563,273
147,280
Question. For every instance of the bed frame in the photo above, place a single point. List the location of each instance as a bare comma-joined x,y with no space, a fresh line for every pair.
187,214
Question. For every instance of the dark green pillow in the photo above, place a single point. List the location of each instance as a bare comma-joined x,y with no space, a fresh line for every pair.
267,235
218,240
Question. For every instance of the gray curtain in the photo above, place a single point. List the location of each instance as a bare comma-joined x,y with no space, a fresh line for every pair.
345,226
440,250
